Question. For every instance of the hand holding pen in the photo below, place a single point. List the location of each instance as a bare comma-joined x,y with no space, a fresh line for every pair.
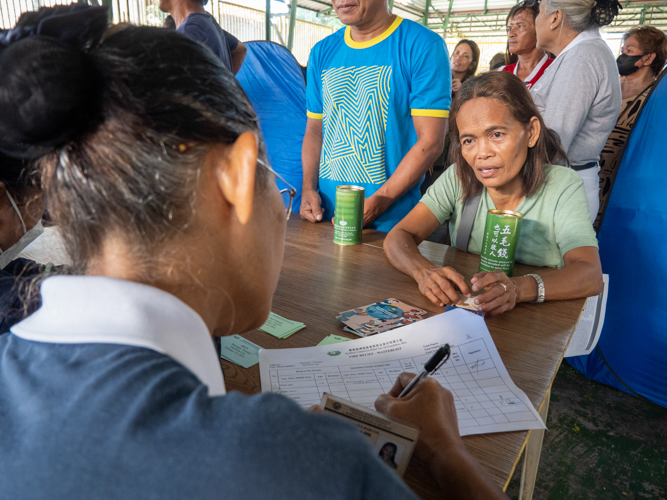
437,360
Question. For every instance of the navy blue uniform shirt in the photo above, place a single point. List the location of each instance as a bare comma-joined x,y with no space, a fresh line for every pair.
205,29
112,390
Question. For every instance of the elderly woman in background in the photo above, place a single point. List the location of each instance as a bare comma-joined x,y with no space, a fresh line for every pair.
643,55
580,95
642,58
522,42
502,151
464,61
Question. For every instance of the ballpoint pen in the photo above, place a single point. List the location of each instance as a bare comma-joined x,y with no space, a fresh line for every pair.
433,364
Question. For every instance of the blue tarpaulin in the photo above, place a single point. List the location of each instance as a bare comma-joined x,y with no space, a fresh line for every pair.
633,249
273,80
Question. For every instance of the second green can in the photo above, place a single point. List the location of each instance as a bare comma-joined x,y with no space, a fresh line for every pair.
501,236
349,215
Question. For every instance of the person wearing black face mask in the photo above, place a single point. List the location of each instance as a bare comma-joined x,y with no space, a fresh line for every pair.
642,57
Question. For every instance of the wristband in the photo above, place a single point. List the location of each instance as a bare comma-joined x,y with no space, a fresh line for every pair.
540,288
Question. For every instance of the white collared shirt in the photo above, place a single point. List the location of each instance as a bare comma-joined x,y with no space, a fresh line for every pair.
581,37
536,70
94,309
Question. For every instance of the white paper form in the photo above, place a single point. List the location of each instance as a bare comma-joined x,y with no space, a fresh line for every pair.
586,335
487,400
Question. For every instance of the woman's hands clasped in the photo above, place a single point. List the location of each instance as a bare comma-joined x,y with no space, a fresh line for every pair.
442,285
501,292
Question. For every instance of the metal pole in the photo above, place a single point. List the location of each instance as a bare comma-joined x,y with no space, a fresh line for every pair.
425,18
446,22
267,20
292,22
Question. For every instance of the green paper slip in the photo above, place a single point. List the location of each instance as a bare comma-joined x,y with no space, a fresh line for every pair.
281,327
333,339
239,351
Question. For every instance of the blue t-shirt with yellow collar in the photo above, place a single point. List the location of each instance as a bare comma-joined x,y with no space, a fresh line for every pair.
366,94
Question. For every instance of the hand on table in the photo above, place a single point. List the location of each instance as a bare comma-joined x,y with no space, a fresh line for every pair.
430,408
311,206
456,84
442,286
501,292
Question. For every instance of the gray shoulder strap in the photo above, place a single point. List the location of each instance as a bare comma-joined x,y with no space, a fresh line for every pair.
467,220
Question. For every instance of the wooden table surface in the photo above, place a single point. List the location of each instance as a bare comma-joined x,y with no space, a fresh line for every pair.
319,279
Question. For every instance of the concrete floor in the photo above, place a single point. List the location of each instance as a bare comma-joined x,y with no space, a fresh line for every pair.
601,444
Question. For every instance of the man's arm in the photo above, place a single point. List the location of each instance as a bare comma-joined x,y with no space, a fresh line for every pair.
430,143
311,203
238,55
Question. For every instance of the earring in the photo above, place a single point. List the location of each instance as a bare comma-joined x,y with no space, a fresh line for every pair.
551,27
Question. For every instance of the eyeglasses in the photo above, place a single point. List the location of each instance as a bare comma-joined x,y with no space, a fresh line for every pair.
287,194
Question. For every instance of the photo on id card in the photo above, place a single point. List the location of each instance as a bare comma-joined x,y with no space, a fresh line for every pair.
392,442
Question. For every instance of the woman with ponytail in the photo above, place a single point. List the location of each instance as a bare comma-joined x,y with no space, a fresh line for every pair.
153,167
503,152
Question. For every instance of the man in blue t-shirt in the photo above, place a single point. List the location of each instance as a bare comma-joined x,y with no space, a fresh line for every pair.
193,21
378,98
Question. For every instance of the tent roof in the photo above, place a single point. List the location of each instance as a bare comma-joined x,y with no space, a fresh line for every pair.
486,18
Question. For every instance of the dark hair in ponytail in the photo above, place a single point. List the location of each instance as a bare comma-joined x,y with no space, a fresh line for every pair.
128,163
18,177
512,92
49,93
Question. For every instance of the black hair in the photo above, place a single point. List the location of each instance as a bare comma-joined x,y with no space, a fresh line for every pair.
128,160
17,177
169,23
36,114
388,444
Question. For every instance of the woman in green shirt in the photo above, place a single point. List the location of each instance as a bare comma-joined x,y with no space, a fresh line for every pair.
502,149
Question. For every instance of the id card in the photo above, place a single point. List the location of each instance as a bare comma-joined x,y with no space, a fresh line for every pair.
392,442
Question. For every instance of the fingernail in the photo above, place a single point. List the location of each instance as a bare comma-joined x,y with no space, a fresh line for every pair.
474,288
318,217
473,280
469,295
476,301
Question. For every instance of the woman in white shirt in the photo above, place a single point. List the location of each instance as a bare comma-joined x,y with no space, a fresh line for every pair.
579,95
531,62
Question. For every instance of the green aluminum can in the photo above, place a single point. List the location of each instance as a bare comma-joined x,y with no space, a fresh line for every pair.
501,236
349,215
